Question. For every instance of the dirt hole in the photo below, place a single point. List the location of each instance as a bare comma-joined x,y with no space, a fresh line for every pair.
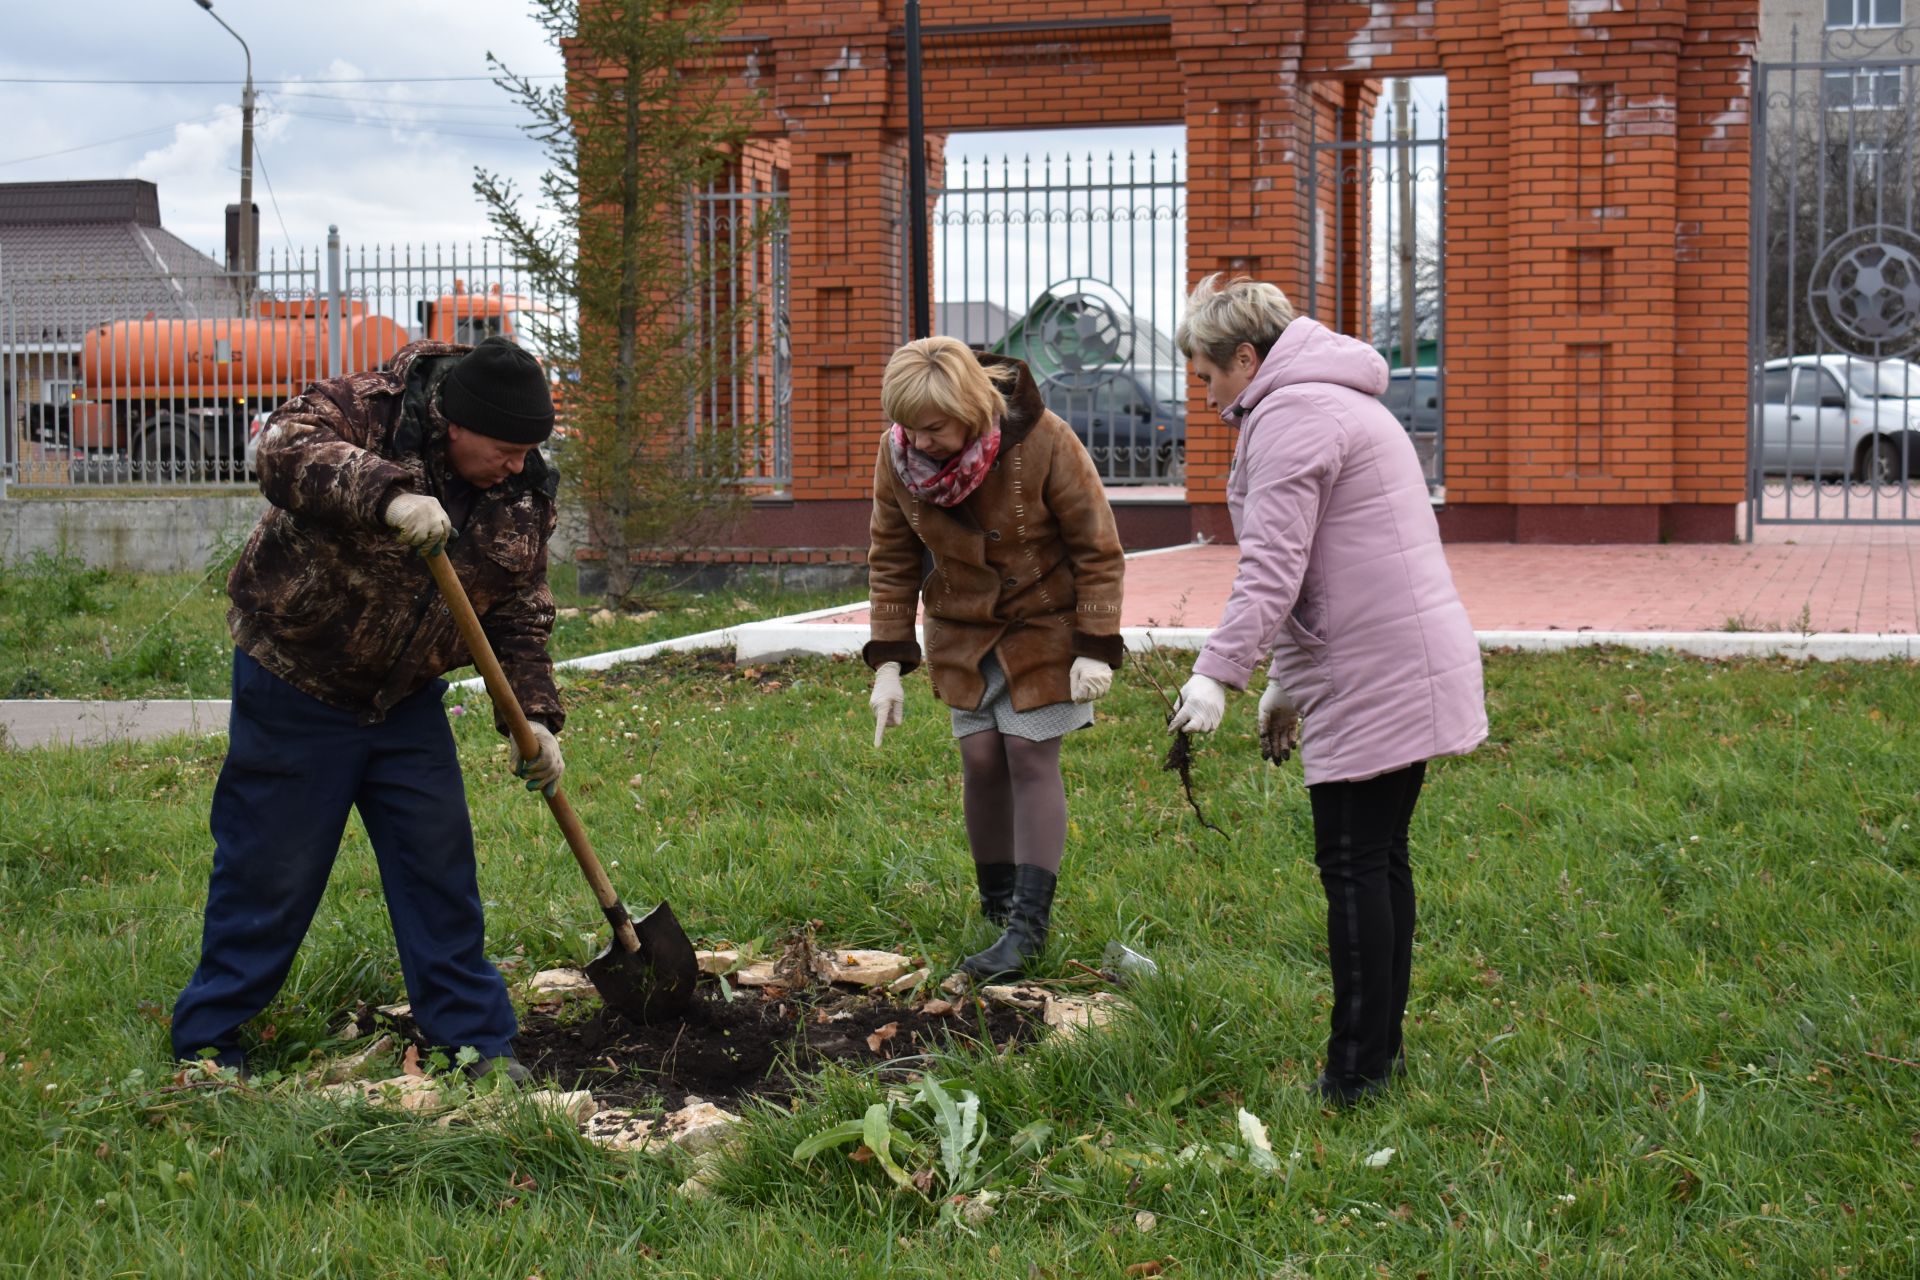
726,1051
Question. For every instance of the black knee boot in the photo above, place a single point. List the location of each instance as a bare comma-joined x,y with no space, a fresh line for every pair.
996,890
1027,924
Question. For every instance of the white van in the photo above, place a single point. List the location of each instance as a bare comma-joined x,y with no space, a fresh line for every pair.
1834,418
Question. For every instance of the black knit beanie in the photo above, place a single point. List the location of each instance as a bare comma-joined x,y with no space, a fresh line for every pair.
499,390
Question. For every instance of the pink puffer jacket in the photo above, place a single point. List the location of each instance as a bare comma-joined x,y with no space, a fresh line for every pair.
1341,573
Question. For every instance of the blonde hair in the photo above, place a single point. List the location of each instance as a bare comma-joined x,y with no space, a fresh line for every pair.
943,376
1223,313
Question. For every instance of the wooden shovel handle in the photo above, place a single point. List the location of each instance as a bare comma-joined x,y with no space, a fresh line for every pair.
502,693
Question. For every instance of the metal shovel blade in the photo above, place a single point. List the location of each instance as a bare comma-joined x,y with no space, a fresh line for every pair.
654,982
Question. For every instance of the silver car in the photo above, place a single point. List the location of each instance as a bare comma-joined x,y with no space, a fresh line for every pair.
1833,418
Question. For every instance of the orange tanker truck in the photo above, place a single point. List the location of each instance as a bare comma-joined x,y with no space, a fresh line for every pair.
181,399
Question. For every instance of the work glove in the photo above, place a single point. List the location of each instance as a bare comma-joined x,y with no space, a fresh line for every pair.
542,771
1201,707
419,521
1090,679
1279,724
889,700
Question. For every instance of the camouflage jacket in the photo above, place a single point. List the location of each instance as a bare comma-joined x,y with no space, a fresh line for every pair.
324,595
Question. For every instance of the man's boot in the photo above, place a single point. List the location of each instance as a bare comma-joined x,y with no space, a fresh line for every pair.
996,890
1027,924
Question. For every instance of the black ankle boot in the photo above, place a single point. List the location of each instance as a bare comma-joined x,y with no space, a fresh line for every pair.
996,890
1027,924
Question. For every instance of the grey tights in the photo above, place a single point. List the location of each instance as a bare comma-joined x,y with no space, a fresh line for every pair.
1015,799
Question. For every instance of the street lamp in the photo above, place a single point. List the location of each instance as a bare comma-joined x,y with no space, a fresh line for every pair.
916,180
247,235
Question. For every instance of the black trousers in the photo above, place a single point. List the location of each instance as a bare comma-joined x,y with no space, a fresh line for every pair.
1360,844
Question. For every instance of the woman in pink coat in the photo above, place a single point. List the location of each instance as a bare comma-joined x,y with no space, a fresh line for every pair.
1342,580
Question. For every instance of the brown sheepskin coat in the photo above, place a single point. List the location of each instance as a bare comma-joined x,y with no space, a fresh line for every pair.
1028,567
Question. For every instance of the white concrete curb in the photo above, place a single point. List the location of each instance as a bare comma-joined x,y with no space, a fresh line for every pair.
770,641
719,638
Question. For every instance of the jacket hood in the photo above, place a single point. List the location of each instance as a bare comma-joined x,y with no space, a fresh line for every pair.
1308,351
1025,407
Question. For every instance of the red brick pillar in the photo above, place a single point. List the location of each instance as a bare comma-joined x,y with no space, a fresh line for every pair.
1714,176
1592,142
845,268
1245,184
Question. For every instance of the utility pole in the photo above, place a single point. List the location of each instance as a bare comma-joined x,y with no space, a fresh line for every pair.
249,235
1409,240
917,181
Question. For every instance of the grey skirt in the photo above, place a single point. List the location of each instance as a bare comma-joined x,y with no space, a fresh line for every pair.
1042,724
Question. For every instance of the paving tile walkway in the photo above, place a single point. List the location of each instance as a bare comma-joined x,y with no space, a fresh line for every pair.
1823,578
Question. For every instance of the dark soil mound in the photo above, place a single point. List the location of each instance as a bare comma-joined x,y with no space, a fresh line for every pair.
725,1051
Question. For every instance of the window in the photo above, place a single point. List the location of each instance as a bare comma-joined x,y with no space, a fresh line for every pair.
1816,386
1885,379
1773,387
1863,88
1864,13
473,330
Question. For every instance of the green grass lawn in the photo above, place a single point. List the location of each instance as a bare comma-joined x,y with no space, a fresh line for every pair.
67,631
1664,1017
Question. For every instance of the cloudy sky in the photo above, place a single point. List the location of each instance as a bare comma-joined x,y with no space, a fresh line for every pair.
388,154
372,113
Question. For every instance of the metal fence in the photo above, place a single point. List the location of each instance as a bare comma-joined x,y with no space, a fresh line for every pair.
1834,390
1076,266
737,241
164,379
1376,262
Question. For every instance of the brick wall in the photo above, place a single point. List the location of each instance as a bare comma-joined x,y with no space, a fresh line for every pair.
1596,253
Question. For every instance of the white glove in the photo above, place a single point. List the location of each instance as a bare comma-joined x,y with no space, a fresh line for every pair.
1089,679
543,771
1279,724
889,700
1201,708
419,521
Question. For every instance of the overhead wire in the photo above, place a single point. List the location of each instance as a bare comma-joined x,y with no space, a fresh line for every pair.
558,75
123,137
405,127
390,102
260,158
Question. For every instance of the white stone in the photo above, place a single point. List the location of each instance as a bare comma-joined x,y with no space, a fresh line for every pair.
910,982
1068,1015
758,974
400,1010
712,962
408,1093
618,1129
706,1172
699,1126
866,968
561,984
1017,996
343,1069
577,1106
956,984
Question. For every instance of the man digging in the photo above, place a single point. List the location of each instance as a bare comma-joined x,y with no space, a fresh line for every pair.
340,644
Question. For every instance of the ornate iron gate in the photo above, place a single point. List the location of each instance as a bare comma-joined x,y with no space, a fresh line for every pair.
1077,267
1834,392
1376,227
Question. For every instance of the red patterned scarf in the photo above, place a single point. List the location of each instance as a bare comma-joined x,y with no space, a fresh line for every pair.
944,484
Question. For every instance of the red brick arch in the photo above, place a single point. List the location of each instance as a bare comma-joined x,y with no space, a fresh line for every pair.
1596,256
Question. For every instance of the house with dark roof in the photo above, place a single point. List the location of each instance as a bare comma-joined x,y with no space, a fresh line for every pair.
74,255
